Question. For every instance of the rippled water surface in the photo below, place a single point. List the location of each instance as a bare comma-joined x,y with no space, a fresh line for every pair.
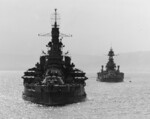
127,100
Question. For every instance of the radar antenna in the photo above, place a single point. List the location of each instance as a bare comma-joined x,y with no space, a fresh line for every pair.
55,25
49,34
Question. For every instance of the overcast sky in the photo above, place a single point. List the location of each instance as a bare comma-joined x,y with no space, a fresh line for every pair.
94,24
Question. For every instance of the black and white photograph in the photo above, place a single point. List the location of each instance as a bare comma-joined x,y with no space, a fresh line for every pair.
74,59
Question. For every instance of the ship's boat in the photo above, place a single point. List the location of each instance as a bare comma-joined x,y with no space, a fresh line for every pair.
111,74
54,80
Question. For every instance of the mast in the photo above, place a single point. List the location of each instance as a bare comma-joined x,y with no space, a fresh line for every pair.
55,44
111,53
55,23
111,65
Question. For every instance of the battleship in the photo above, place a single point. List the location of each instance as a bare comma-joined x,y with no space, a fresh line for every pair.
111,74
54,80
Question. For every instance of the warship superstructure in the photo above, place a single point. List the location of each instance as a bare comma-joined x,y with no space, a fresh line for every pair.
111,74
54,80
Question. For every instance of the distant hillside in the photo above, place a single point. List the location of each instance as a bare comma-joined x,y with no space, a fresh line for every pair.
136,61
129,62
17,62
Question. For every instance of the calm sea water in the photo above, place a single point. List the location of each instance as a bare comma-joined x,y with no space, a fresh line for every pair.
127,100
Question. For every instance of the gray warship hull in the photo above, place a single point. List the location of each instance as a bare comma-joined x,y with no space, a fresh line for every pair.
110,78
54,95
